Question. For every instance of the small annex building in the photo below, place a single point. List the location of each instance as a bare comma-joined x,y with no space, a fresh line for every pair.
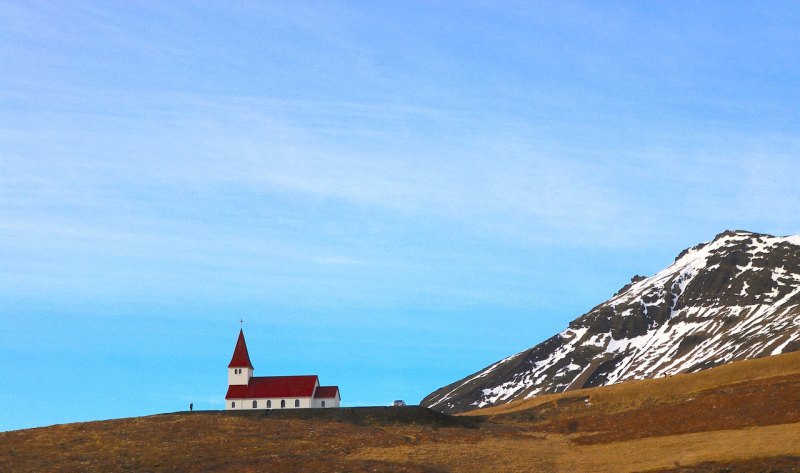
246,391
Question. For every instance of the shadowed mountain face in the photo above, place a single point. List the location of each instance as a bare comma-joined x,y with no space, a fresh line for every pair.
733,298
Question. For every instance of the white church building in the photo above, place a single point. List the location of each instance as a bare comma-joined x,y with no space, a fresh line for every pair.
246,391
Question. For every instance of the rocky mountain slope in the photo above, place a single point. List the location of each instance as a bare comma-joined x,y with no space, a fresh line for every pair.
736,297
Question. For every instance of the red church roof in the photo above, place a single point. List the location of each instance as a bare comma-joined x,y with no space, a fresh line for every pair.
241,359
326,392
274,386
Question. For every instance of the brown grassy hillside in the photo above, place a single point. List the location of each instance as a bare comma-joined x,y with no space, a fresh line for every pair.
764,391
741,417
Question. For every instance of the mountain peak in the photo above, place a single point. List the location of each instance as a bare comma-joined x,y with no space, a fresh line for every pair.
723,238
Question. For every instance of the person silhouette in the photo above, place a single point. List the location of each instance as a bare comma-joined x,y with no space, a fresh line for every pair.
191,406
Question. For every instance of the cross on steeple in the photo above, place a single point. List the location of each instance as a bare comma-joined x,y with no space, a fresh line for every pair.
241,323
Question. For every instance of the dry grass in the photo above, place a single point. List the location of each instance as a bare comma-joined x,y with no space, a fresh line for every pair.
557,453
742,416
214,441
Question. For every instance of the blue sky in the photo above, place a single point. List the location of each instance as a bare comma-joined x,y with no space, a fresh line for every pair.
392,195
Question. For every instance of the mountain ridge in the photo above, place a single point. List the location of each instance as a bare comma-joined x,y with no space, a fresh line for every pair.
732,298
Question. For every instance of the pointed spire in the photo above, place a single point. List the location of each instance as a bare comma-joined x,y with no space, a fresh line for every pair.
241,358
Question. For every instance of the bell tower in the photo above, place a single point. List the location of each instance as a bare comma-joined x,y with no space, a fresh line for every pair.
240,369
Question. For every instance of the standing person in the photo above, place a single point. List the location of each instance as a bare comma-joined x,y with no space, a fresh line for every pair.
191,406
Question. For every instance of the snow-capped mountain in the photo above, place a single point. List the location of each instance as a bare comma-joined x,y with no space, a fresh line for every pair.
734,298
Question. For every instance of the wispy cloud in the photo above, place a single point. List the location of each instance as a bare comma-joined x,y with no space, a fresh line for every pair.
491,183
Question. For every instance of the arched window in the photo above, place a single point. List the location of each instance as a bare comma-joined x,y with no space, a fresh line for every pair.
269,404
323,403
297,403
255,404
233,404
283,403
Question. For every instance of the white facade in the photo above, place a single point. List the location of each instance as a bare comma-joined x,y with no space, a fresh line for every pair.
326,402
269,403
281,403
239,376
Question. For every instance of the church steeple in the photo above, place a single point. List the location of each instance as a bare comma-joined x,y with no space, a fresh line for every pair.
241,358
240,369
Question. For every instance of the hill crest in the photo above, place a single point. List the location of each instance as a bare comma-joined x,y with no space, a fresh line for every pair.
740,417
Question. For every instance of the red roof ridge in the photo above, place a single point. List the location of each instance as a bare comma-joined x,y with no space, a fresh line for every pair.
289,376
241,358
274,387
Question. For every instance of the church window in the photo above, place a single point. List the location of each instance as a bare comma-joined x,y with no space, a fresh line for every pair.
297,403
255,404
233,404
323,403
283,403
269,404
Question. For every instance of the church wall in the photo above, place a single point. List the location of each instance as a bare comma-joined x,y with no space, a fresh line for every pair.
330,402
247,404
239,379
